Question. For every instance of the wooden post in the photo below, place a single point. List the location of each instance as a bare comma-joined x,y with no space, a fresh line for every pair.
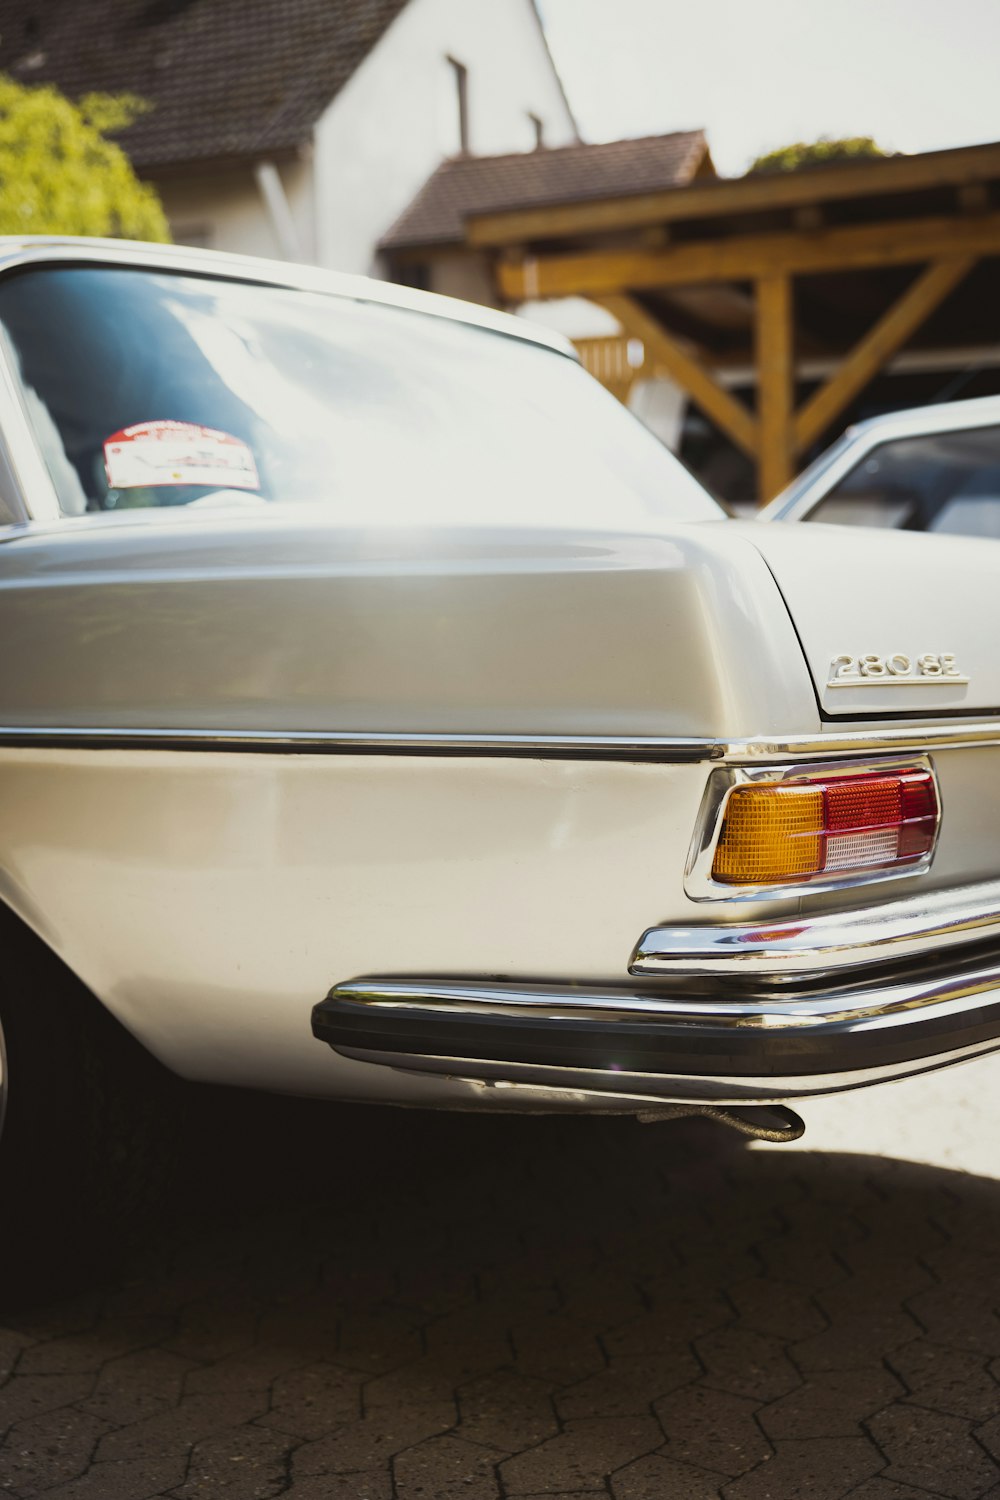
775,388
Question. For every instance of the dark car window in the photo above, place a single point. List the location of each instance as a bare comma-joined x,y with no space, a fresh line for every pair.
152,389
941,481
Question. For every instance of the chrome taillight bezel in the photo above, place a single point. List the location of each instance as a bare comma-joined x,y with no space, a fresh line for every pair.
699,883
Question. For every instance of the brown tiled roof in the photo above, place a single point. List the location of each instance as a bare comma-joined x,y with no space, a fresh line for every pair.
468,185
227,78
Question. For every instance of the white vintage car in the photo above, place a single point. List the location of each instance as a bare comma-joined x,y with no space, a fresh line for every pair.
386,716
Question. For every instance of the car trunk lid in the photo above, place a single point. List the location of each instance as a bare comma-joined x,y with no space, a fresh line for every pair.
891,623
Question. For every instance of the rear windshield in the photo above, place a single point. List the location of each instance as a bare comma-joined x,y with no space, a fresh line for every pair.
151,389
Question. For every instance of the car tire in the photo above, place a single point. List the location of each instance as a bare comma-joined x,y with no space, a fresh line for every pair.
81,1154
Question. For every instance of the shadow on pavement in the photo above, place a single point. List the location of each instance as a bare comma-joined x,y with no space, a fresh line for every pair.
342,1302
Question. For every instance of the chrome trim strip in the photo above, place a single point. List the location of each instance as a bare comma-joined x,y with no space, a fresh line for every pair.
826,944
667,749
347,742
699,883
953,679
894,738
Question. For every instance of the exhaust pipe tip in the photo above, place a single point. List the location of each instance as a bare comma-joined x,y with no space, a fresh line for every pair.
762,1122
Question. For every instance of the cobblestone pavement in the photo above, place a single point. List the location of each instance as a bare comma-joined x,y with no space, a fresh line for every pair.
349,1304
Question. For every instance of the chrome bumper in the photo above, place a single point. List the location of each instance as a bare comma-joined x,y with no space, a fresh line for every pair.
828,944
725,1014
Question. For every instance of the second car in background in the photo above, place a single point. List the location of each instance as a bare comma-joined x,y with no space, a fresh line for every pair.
936,468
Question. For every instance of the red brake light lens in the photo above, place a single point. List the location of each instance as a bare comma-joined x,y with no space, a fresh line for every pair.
788,832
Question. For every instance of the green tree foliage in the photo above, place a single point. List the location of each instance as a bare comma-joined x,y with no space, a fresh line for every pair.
817,153
59,174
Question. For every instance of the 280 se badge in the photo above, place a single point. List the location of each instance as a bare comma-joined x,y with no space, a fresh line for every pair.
895,670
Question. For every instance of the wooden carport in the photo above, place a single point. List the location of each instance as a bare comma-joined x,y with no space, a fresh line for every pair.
847,262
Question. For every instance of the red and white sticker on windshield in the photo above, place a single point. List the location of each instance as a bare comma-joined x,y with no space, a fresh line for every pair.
165,453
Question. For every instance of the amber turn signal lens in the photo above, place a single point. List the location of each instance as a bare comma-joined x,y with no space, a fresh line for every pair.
791,832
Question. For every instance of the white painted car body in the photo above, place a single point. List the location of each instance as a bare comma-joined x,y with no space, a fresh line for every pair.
247,757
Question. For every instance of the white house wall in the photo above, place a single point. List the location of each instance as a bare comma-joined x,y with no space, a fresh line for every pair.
462,275
225,210
661,406
397,118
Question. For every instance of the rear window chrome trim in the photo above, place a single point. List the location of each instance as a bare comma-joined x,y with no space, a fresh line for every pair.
20,254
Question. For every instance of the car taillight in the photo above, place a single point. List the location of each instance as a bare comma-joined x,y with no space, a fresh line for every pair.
794,831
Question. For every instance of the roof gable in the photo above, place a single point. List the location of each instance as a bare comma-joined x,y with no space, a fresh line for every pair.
227,78
469,185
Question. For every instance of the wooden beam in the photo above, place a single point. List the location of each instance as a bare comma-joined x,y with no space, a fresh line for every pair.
775,387
879,345
872,178
748,257
689,373
973,197
808,216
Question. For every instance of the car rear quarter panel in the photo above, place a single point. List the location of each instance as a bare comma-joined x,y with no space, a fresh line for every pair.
210,899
